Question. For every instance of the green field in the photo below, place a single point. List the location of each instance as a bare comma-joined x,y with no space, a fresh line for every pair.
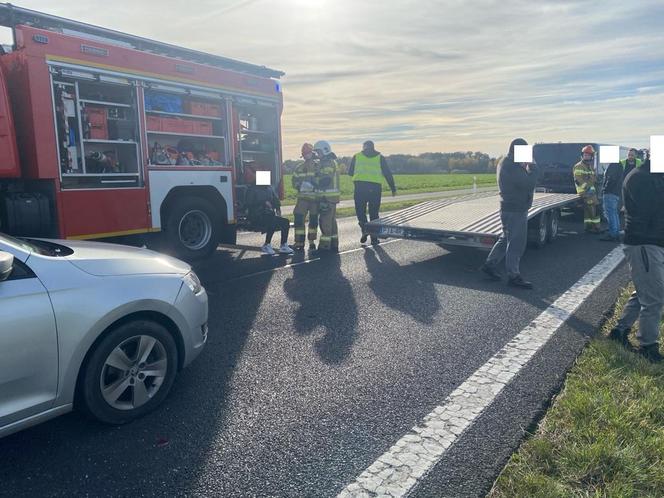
408,184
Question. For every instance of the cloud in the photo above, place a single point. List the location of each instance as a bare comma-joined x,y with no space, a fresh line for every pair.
425,75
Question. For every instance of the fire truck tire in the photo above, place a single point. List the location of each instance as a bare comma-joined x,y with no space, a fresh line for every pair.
193,228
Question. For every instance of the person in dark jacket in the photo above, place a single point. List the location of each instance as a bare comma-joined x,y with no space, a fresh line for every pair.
368,169
264,210
611,191
643,192
516,182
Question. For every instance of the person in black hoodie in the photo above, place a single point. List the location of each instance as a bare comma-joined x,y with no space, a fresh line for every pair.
368,169
516,182
643,192
611,191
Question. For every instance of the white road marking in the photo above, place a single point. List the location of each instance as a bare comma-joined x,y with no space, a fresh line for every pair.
306,261
399,470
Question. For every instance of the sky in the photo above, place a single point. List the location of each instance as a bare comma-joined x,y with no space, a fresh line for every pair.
427,75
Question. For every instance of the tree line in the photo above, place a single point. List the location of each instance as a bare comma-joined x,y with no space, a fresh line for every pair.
428,162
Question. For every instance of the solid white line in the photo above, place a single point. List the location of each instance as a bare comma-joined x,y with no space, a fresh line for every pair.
399,470
306,261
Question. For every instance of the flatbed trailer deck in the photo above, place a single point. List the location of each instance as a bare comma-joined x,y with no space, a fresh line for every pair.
471,220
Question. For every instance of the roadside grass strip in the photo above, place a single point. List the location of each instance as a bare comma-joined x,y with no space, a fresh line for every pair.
398,471
408,184
602,436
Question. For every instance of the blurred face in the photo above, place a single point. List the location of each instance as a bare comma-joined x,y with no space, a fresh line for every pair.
587,157
307,154
631,155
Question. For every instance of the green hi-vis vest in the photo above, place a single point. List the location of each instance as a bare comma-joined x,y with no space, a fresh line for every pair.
637,163
367,169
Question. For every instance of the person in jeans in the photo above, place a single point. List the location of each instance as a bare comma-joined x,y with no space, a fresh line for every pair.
516,182
264,213
611,191
644,248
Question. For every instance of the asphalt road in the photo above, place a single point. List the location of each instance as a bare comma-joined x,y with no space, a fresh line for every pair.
312,371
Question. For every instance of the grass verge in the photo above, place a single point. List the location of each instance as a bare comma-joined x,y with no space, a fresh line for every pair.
603,435
407,184
385,207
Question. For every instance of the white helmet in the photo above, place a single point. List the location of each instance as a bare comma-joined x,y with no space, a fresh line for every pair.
323,147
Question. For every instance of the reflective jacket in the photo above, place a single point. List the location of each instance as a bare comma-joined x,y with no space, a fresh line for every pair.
328,179
305,179
584,178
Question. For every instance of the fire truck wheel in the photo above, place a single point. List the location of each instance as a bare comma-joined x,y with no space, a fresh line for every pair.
129,372
192,228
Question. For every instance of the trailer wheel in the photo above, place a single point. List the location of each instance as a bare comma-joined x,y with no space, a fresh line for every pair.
553,218
538,231
192,228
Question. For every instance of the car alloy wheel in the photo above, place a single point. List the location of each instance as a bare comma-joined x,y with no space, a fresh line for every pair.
133,372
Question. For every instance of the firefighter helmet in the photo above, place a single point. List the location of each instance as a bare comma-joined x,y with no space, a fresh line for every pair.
323,147
307,149
588,149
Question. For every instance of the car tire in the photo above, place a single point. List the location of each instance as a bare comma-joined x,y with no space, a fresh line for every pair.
101,379
553,220
193,228
538,231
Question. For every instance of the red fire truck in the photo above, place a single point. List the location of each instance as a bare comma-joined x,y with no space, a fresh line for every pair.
104,134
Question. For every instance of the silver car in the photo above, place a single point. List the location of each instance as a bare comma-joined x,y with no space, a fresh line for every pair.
98,326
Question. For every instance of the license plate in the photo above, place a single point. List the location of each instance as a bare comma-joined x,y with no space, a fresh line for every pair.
394,231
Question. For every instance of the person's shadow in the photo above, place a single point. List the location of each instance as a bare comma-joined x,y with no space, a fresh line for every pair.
327,305
401,290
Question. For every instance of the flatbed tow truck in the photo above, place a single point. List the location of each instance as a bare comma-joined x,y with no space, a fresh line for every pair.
471,220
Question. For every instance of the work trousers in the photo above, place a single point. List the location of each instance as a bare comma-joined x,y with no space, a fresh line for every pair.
367,194
329,239
512,242
591,218
610,203
303,208
646,264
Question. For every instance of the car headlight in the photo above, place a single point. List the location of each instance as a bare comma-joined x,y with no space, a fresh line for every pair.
191,279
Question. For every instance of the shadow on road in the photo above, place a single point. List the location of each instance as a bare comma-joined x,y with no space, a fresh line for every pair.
401,290
327,304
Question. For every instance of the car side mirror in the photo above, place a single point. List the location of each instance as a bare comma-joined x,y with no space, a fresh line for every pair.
6,265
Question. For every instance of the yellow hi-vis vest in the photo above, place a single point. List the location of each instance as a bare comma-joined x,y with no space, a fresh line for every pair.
367,169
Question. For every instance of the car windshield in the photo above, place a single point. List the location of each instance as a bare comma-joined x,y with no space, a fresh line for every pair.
22,244
41,247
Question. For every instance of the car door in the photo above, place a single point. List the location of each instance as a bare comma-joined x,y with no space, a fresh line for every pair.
28,346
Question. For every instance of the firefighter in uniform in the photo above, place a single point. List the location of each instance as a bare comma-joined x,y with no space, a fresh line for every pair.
328,196
305,182
585,180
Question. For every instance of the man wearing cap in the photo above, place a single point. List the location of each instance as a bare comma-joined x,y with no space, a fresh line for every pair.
585,181
368,169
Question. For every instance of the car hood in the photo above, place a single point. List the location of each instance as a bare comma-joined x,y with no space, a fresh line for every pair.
104,259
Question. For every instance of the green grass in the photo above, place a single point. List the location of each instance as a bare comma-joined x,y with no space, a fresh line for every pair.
407,184
604,434
385,207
